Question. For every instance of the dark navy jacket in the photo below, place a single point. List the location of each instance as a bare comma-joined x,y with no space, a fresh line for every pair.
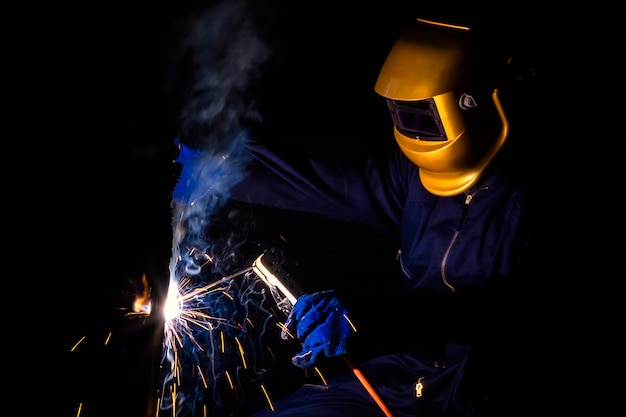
446,242
448,245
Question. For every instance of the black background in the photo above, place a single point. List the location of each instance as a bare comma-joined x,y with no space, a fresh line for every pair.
90,118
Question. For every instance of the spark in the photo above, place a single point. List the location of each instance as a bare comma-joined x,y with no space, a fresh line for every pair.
345,316
319,374
269,401
81,340
210,334
215,332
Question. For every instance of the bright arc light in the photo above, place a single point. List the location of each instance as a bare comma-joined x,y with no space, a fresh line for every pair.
173,303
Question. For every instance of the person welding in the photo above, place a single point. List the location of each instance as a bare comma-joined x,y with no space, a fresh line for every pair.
457,200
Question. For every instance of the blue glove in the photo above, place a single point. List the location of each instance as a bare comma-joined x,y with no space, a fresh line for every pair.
321,322
189,187
207,172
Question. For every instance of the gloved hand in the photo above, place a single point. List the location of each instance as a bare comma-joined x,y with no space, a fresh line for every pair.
320,321
206,172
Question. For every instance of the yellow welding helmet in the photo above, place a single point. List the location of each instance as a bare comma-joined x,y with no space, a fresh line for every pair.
440,82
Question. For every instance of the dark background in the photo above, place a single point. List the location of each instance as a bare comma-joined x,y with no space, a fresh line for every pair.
91,117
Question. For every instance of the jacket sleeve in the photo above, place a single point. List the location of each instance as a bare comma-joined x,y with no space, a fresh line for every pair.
369,190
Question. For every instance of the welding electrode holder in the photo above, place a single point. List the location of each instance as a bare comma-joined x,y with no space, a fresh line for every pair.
284,290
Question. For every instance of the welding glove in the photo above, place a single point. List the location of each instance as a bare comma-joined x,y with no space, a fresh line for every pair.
320,321
206,173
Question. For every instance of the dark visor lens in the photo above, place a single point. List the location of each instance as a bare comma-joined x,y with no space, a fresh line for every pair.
417,119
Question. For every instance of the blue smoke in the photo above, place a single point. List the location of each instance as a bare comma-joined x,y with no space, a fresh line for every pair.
225,52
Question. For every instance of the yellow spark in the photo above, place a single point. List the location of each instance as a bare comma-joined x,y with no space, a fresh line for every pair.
350,323
284,329
174,394
432,22
202,376
319,373
80,409
230,381
241,353
267,397
271,352
73,348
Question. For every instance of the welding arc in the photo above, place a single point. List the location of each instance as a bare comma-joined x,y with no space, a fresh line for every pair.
368,387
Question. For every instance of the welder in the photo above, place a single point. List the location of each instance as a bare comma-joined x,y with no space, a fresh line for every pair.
454,194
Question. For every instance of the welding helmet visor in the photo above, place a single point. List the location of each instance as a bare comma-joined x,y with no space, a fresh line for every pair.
417,119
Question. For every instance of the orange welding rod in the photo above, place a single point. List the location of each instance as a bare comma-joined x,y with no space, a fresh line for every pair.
368,387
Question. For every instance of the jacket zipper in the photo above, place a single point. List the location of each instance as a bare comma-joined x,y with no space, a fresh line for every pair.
468,199
419,387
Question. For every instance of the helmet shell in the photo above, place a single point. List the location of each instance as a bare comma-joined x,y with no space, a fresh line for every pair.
447,64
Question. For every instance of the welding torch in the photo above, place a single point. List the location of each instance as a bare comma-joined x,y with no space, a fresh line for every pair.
283,291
